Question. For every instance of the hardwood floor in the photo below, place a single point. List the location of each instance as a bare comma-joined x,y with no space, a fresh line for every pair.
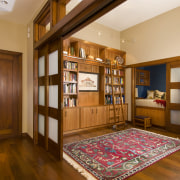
21,160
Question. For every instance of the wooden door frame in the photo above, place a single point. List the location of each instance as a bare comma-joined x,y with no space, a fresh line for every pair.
133,82
18,57
82,15
171,106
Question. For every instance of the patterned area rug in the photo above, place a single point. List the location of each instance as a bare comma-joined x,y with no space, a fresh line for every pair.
118,155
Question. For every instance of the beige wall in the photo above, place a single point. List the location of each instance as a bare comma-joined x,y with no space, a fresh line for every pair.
13,38
100,34
154,39
30,80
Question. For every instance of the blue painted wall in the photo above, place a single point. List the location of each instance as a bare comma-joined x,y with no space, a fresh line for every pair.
157,80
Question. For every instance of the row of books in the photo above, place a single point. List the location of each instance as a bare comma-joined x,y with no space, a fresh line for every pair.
116,80
116,89
108,89
70,88
121,80
114,71
69,76
109,99
69,102
117,100
107,80
118,72
70,65
107,70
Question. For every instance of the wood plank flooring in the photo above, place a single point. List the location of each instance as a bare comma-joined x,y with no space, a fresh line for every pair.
21,160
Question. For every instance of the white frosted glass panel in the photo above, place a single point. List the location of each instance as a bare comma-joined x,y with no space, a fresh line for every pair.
41,124
175,96
53,129
42,66
53,63
175,117
175,74
53,96
42,95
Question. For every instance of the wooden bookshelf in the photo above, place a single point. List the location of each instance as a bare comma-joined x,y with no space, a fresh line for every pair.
91,108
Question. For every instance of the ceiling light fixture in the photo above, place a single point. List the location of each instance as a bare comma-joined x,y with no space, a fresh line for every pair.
4,2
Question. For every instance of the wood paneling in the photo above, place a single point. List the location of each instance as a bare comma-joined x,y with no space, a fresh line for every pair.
88,68
88,98
157,115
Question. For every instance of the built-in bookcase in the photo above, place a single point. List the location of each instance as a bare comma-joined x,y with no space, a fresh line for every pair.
115,80
70,82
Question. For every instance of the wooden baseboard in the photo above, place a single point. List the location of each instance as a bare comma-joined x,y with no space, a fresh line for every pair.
129,122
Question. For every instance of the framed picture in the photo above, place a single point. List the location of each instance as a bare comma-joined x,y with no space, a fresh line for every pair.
88,81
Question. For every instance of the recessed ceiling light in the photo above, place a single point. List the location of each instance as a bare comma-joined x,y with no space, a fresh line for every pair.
4,2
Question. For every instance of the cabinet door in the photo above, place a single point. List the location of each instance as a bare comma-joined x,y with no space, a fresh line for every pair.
88,117
101,117
70,119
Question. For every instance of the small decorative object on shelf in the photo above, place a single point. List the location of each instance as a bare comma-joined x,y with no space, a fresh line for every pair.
82,53
120,60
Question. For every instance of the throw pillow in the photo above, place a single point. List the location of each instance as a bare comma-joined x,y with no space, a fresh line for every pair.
163,97
158,94
150,94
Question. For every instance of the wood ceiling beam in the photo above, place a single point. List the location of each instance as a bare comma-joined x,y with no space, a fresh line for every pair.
82,15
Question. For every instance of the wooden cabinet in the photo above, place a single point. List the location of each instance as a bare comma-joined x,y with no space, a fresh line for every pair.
89,109
70,119
88,68
93,116
142,77
102,115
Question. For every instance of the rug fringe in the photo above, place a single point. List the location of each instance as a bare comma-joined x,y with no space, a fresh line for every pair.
79,168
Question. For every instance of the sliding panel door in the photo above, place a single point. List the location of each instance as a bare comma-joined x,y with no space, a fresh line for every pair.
173,96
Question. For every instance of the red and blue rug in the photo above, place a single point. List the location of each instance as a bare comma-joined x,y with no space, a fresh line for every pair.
118,155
